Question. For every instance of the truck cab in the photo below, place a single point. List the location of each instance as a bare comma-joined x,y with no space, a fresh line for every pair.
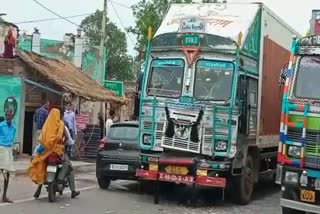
298,171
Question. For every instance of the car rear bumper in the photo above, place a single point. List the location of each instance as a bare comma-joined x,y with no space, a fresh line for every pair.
103,168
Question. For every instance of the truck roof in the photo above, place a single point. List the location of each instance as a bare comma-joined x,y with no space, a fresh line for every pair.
225,20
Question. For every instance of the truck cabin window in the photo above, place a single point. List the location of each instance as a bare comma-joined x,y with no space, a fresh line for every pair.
308,75
213,80
166,78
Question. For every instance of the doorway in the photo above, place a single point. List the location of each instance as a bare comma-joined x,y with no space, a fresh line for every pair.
28,131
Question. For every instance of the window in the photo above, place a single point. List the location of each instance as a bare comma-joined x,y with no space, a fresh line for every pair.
121,132
166,78
213,80
307,83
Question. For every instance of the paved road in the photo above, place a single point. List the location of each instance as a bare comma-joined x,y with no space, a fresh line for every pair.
123,198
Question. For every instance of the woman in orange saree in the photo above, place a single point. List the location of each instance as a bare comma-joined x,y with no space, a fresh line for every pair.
51,139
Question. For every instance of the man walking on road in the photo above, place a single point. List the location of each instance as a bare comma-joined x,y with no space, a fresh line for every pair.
7,134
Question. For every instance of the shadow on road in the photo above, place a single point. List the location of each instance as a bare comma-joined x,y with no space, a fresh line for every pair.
200,196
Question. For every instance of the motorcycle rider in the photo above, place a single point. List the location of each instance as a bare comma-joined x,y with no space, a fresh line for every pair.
54,132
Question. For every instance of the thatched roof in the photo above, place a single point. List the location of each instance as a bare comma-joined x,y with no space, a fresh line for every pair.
70,78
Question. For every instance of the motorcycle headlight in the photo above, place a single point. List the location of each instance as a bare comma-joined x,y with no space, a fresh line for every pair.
294,151
221,146
291,177
147,139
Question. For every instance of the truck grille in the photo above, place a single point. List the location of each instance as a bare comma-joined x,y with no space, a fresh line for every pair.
181,144
159,128
312,147
295,134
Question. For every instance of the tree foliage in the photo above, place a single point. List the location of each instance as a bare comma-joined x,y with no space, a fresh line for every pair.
119,63
149,13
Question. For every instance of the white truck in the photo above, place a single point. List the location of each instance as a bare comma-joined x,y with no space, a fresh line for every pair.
210,100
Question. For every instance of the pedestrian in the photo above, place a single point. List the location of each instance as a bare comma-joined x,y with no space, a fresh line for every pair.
101,124
110,120
9,44
70,118
7,134
39,119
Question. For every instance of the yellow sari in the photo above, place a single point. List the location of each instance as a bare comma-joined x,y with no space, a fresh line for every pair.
51,139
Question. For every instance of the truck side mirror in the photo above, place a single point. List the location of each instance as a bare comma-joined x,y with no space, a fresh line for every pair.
283,75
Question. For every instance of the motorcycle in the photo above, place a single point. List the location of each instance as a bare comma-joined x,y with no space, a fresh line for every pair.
58,173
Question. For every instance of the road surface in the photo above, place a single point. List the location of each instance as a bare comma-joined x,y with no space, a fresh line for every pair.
123,198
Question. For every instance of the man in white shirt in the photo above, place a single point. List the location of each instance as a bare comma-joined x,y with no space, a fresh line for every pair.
109,121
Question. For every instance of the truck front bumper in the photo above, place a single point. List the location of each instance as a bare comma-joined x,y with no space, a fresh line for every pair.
299,206
187,179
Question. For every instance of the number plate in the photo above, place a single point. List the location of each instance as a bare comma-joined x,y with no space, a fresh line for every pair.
177,170
118,167
51,169
308,195
176,178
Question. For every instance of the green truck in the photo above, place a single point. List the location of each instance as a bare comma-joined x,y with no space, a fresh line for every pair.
298,170
210,98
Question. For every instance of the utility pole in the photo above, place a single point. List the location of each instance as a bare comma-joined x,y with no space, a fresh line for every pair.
103,36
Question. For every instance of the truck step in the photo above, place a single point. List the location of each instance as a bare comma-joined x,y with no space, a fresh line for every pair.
222,124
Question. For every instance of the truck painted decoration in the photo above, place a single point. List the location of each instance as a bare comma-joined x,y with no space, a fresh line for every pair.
201,95
298,170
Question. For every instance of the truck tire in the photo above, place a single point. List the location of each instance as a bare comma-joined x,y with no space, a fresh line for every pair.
51,192
104,182
242,186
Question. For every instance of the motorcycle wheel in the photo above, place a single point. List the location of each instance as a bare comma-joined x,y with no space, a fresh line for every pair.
51,192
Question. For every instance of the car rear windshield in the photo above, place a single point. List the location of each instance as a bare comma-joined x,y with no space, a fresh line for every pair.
123,132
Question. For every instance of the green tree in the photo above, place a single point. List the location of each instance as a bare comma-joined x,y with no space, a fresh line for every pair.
119,63
149,13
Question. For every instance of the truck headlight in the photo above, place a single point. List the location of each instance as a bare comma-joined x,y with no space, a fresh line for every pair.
221,146
147,139
291,177
294,151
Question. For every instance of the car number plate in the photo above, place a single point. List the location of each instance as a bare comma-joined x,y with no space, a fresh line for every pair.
118,167
51,169
308,195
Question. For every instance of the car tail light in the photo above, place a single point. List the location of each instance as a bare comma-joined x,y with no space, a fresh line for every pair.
102,144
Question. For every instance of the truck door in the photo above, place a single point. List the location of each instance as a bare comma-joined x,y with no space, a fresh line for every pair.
252,107
248,95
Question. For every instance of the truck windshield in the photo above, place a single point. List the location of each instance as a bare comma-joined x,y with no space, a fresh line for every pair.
307,84
213,80
166,77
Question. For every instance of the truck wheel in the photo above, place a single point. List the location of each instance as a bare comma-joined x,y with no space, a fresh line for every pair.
242,186
51,192
286,210
104,182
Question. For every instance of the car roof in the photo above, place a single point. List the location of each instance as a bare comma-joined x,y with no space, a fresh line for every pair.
130,123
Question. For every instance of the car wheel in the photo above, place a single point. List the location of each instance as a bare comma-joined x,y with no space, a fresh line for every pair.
104,182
